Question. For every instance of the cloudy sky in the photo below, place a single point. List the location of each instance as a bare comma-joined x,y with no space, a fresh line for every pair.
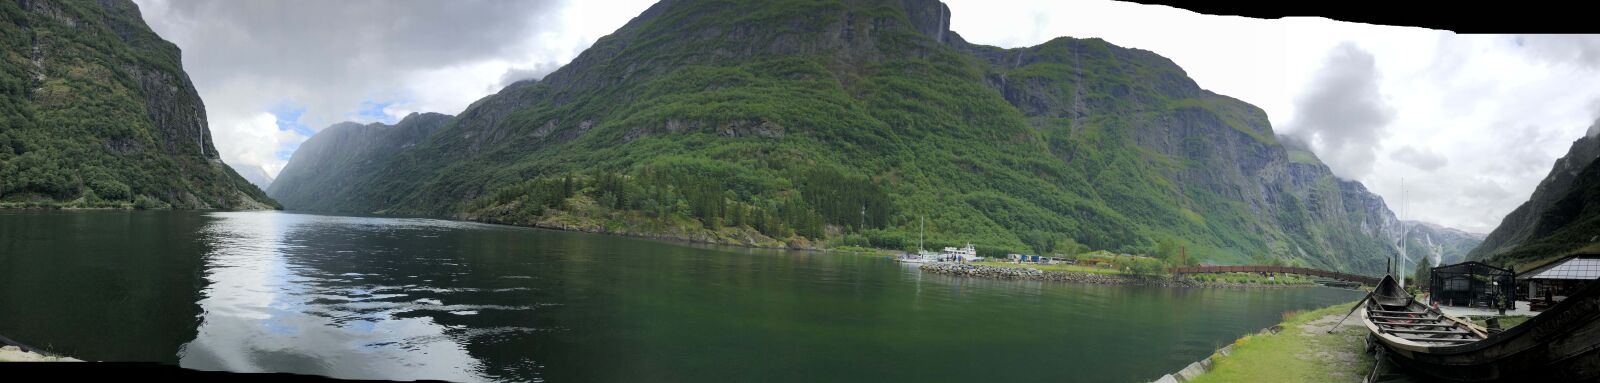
1471,122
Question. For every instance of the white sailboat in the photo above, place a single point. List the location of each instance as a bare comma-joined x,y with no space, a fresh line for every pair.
922,256
968,253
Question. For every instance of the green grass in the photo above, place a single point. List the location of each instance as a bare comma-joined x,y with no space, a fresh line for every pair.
1294,354
1506,322
861,250
1060,267
1304,157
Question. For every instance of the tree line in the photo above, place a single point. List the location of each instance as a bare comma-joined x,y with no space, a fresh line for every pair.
814,199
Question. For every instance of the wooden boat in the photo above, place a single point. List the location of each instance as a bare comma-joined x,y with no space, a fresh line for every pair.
1559,345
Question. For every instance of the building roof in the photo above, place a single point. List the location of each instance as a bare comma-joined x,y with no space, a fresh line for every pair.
1471,267
1585,266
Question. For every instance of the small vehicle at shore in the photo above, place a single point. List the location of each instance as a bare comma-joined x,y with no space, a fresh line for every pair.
1559,345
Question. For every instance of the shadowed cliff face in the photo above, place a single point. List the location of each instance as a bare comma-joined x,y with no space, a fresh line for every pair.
1560,217
1073,140
325,164
99,113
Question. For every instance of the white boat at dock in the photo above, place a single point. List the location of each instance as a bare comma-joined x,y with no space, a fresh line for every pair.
968,253
950,254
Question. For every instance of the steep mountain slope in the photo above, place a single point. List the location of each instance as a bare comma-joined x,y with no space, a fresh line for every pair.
1438,244
256,175
1561,216
793,121
325,163
95,110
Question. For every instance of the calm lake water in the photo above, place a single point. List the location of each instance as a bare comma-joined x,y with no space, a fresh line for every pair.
384,298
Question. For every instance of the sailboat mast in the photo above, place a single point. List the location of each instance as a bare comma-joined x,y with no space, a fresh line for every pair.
921,226
1405,233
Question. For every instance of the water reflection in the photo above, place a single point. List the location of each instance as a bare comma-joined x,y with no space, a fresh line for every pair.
338,296
101,285
383,298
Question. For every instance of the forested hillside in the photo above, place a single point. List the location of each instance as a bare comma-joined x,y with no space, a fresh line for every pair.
96,111
798,123
327,163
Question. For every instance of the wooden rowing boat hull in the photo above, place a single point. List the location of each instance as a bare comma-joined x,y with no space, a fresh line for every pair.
1560,345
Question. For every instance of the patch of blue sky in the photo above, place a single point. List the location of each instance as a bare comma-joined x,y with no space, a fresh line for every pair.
288,119
372,110
288,115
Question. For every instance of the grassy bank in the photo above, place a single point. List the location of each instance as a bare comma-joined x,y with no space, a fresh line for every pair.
1281,279
1507,322
1303,351
1060,267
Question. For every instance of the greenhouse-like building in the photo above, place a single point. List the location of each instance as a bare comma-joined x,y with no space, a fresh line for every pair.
1550,283
1472,284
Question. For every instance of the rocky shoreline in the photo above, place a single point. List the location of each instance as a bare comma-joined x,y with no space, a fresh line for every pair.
16,354
726,237
1023,273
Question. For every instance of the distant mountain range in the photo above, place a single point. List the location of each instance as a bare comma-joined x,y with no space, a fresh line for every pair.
1439,245
848,123
256,175
325,166
96,111
1561,217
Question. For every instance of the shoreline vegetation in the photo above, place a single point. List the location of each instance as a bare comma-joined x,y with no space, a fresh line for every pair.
1094,276
86,203
821,209
1135,270
669,204
1119,270
1300,349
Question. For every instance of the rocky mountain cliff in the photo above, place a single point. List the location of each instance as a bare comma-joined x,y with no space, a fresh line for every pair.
1561,216
1439,245
97,112
323,167
794,122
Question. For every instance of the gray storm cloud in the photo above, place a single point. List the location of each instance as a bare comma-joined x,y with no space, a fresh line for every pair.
1594,127
1342,114
334,54
1581,50
1421,158
331,59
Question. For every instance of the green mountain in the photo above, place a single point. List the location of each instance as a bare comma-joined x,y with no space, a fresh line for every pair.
96,111
325,163
812,123
1561,217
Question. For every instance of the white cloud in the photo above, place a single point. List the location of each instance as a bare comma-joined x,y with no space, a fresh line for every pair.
1343,114
1496,114
1495,111
254,141
336,59
1421,158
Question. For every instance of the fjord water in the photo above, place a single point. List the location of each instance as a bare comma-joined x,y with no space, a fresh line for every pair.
387,298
